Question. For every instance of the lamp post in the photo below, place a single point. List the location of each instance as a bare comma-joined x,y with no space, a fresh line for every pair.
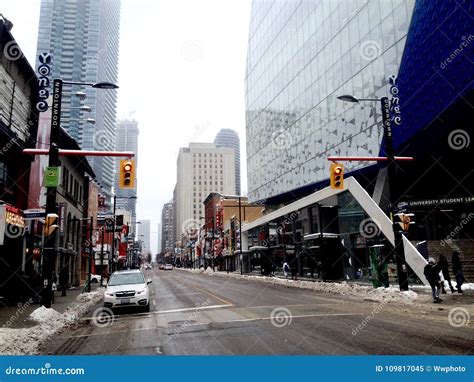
50,243
387,130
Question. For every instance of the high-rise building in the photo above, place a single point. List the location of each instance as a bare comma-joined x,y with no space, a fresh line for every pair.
202,168
230,138
83,38
127,140
144,235
167,236
301,56
158,239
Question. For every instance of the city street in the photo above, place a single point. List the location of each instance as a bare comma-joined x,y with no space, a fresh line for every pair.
198,314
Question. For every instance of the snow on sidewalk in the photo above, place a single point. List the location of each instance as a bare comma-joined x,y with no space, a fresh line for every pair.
28,340
365,292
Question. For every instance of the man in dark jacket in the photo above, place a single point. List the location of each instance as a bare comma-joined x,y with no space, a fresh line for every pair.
431,272
457,271
443,265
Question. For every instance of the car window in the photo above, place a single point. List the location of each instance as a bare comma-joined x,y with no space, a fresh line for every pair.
126,279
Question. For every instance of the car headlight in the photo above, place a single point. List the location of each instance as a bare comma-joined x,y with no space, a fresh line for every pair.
109,294
141,291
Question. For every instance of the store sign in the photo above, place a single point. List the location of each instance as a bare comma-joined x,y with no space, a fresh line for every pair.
436,202
34,213
44,71
12,222
62,218
51,177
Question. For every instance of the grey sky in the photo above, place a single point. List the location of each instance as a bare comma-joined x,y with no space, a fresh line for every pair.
181,76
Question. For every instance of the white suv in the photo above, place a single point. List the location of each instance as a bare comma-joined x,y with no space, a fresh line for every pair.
127,288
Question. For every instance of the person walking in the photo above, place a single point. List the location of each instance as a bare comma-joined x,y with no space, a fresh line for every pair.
443,265
431,272
294,271
457,270
286,269
63,279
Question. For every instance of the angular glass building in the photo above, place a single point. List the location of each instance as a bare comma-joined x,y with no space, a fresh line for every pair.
303,55
230,138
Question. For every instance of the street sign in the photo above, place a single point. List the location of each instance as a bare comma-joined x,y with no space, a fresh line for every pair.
51,177
34,213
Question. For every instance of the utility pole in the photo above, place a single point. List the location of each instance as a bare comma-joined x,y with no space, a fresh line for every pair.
240,236
91,257
50,242
112,260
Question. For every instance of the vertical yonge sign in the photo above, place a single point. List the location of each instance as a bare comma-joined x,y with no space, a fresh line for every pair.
43,81
395,101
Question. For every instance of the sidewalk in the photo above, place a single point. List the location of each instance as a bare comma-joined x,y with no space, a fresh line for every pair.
16,316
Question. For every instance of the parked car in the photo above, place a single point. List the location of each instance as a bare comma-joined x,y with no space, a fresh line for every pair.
127,288
147,266
168,267
96,278
161,266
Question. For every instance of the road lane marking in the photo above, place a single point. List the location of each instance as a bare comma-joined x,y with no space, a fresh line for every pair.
206,292
216,322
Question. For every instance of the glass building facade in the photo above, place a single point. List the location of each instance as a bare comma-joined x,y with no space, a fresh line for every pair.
83,38
301,56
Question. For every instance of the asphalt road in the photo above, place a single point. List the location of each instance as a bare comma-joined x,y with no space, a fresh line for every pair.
197,314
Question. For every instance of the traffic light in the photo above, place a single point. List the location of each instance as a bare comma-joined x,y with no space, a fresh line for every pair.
337,176
50,224
403,221
127,174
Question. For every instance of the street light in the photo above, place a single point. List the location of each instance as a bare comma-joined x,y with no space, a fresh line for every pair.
388,137
50,244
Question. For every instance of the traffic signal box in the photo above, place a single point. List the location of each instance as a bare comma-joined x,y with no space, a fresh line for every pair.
127,174
336,176
50,224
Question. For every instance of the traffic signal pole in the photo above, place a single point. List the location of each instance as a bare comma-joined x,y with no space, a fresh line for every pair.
402,270
50,243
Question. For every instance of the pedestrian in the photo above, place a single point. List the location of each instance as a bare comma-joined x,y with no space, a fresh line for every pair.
431,272
286,269
63,279
443,265
294,271
457,270
54,287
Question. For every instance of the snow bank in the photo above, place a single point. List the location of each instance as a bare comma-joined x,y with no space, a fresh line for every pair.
43,314
28,341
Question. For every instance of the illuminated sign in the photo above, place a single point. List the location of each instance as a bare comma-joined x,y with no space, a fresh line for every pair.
14,216
395,101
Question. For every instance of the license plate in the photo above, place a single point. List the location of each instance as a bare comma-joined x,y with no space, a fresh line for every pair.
125,301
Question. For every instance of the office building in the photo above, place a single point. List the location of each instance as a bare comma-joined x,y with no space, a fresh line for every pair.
144,235
167,235
202,168
230,138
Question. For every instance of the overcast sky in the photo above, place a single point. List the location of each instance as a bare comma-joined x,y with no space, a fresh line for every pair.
181,76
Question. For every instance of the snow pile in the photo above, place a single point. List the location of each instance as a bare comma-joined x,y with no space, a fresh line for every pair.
28,341
43,314
364,292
